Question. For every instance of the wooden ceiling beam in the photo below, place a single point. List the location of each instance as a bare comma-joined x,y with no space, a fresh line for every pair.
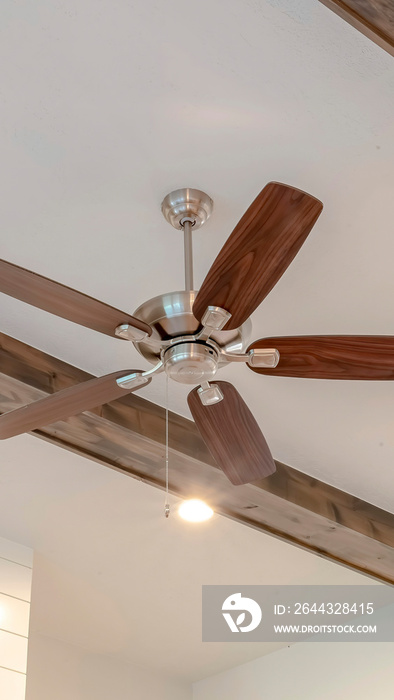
373,18
129,435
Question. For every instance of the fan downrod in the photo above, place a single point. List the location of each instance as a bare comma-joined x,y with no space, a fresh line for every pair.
187,209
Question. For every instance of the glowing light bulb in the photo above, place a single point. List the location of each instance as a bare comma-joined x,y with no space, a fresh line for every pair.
195,511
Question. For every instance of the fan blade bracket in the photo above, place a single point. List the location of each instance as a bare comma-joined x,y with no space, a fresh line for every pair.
132,380
129,332
215,318
263,357
209,394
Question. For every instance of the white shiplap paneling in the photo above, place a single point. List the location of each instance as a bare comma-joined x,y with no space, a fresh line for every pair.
15,579
13,651
12,685
14,615
15,592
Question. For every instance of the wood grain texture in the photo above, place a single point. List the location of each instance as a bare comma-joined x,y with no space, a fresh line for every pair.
331,357
63,404
373,18
63,301
129,435
232,435
258,252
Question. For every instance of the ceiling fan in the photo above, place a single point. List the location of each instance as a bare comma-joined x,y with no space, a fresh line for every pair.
191,335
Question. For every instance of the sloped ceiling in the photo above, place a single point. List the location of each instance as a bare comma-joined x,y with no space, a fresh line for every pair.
106,106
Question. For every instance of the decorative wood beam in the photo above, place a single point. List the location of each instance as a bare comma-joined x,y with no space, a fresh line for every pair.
129,434
374,18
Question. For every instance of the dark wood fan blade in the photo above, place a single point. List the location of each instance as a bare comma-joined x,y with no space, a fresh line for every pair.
258,252
63,301
331,356
232,435
63,404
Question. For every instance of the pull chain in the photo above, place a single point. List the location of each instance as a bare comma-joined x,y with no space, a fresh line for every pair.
166,502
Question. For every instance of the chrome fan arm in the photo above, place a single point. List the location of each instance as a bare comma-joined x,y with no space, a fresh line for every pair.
130,381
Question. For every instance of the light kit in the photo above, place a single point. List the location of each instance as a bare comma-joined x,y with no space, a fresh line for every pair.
195,511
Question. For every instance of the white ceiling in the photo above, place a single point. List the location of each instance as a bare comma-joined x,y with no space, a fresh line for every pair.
112,575
106,106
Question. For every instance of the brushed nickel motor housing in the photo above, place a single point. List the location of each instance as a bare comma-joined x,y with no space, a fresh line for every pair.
171,318
191,362
175,342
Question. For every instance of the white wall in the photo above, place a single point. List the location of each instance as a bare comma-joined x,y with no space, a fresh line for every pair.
309,671
15,593
58,671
